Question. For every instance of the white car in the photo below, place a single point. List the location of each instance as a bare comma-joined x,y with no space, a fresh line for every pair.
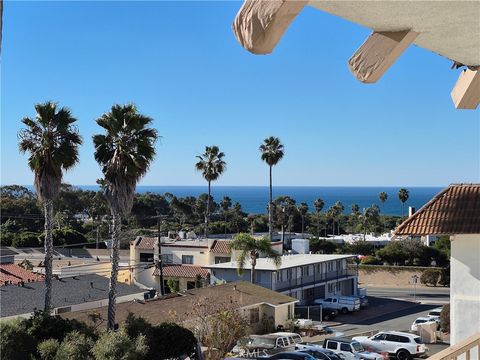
435,313
350,349
423,320
402,345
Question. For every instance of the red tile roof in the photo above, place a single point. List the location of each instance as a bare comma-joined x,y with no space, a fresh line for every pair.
221,247
182,271
15,274
455,210
146,243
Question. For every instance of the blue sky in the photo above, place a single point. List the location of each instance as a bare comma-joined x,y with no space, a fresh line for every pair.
180,64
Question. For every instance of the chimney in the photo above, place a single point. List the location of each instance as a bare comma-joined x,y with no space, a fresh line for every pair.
411,211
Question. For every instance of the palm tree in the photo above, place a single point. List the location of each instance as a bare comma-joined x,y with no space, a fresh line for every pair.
403,197
225,204
318,205
338,211
272,152
212,165
52,141
250,249
124,153
303,210
383,196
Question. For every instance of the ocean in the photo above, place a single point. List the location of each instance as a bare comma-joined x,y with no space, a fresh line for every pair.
254,199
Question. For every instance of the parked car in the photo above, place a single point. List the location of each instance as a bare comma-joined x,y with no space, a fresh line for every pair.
435,313
344,304
423,320
322,354
270,343
403,345
363,300
290,355
350,349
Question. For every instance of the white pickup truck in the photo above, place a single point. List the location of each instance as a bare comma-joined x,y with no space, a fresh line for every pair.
343,304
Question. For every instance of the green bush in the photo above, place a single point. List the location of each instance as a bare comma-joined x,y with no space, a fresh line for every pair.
445,318
48,349
27,239
370,260
117,345
173,285
430,277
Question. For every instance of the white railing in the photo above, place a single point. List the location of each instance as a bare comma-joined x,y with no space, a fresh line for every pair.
464,347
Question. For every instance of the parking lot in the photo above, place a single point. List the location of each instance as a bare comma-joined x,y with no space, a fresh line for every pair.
383,314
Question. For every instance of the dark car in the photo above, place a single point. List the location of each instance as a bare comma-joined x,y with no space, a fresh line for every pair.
291,355
322,354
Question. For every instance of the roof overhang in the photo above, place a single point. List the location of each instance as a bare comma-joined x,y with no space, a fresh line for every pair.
448,28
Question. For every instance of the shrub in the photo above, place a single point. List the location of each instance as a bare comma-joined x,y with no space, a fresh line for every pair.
370,260
430,277
445,318
444,277
75,346
116,345
27,239
15,342
48,349
173,285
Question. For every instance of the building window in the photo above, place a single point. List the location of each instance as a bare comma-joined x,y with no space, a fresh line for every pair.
146,257
187,259
254,316
221,259
167,258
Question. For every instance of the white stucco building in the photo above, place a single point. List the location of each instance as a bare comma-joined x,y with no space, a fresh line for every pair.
455,211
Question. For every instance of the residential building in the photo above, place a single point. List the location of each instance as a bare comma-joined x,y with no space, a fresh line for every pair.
305,277
68,294
263,309
182,259
455,211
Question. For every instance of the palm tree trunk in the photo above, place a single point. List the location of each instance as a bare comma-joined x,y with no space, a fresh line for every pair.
207,211
225,223
270,215
318,225
252,273
114,257
302,225
48,207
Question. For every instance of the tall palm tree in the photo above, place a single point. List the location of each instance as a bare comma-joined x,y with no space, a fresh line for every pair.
303,210
212,165
225,204
318,205
272,152
383,196
338,211
250,249
52,141
124,153
403,197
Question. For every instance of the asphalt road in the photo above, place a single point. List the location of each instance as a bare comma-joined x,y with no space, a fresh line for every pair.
425,295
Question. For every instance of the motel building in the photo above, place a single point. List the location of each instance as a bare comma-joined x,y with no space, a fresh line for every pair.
305,277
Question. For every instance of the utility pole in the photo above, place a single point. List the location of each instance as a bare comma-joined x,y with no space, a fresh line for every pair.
158,257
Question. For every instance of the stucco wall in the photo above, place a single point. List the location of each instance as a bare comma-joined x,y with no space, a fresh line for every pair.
464,287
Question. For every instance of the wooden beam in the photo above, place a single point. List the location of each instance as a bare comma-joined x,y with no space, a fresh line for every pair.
378,53
260,24
466,92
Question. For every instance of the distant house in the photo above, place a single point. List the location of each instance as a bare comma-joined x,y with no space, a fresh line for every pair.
260,306
182,259
455,211
305,277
